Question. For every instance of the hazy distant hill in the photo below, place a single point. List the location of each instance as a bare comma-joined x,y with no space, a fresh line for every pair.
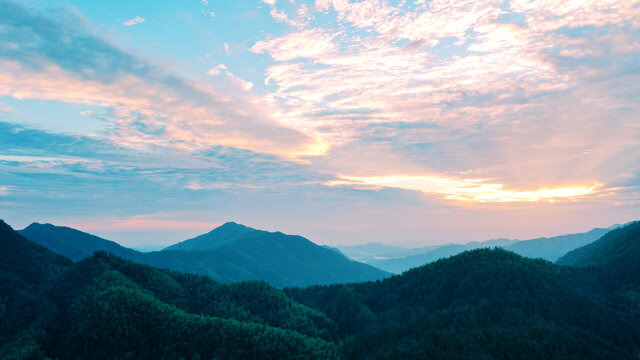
229,253
552,248
548,248
400,265
618,248
375,251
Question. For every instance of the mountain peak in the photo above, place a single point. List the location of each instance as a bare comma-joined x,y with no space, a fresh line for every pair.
231,225
225,233
37,225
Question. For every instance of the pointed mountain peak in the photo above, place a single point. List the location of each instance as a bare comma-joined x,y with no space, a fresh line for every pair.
225,233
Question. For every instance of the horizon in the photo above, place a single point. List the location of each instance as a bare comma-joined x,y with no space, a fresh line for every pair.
148,247
421,122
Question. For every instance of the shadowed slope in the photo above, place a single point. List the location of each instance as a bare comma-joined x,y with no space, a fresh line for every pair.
229,253
481,304
104,307
72,243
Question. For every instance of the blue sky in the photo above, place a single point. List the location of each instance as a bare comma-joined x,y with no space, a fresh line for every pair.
403,122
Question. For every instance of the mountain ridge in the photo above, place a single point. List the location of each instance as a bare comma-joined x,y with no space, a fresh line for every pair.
242,254
227,232
548,248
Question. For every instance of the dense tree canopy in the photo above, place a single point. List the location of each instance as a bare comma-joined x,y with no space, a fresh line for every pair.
481,304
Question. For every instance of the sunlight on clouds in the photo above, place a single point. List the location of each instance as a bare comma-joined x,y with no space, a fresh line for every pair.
312,43
468,190
145,113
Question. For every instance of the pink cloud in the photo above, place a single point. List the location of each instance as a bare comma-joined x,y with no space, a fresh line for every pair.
311,43
184,122
503,73
135,21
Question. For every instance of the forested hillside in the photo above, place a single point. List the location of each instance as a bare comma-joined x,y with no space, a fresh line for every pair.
481,304
108,308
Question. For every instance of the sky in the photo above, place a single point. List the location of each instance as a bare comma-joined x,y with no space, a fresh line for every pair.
402,122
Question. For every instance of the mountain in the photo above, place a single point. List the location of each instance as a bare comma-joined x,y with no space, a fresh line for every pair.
24,269
482,304
219,236
375,251
29,261
281,260
553,248
229,253
72,243
400,265
104,307
619,248
548,248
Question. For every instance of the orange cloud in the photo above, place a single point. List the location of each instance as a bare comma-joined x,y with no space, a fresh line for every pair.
173,119
468,190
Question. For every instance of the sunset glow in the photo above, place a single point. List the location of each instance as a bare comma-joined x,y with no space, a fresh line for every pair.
291,115
464,189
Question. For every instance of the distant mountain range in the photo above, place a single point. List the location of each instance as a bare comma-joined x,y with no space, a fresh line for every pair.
377,252
618,248
398,260
495,304
481,304
229,253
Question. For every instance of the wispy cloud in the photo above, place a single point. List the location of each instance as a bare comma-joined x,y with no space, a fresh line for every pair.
515,91
151,104
435,97
468,190
222,69
135,21
4,190
312,43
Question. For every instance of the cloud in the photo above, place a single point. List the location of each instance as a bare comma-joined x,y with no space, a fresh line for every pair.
217,70
312,43
514,92
269,2
46,59
222,69
19,140
281,16
4,190
135,21
466,190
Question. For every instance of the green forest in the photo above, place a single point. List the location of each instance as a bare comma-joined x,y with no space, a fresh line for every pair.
481,304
